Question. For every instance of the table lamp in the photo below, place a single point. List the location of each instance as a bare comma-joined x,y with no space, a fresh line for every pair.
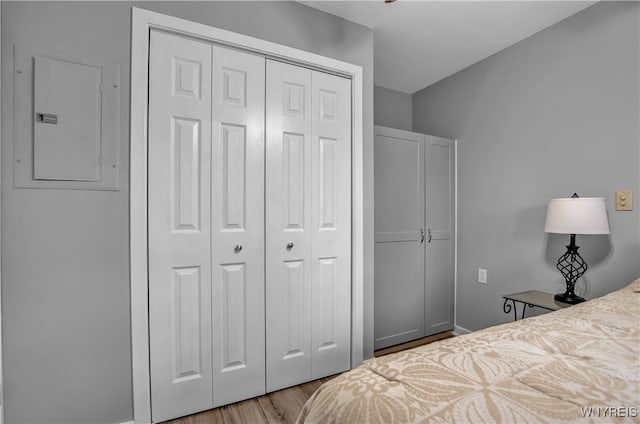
575,215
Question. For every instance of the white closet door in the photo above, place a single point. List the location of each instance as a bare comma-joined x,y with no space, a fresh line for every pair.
179,225
330,224
238,225
288,221
439,292
308,218
399,285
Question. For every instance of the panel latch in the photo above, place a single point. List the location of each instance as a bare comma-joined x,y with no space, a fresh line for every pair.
47,118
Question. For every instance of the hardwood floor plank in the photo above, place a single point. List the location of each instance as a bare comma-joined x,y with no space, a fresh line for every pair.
248,411
412,344
310,387
288,403
274,416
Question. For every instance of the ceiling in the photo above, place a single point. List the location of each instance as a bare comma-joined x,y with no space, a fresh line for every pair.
417,43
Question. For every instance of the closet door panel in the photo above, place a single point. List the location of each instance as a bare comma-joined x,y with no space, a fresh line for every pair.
179,230
288,221
399,286
237,225
439,292
330,224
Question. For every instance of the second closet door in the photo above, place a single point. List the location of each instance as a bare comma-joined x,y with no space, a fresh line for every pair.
308,224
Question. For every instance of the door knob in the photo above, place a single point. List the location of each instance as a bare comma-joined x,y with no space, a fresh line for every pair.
290,245
238,248
421,235
429,231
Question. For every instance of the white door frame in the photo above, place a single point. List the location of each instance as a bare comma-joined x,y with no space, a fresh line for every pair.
142,21
1,364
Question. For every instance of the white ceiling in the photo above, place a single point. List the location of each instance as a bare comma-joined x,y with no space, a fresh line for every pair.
417,43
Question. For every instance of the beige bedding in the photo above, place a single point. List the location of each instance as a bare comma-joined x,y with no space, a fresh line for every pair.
547,369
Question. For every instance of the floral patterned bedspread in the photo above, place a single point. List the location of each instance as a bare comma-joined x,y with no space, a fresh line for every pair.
579,364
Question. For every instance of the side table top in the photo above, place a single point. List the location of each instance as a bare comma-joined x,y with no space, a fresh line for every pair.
537,298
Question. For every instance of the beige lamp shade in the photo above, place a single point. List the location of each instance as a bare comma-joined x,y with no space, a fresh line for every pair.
579,215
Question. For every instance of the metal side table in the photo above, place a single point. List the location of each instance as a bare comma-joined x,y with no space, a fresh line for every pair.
530,298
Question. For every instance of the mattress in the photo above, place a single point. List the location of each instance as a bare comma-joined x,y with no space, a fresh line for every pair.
578,364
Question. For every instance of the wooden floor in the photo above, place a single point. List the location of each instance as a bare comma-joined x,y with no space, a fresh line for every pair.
415,343
283,406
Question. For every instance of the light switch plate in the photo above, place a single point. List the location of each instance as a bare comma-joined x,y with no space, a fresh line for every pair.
624,200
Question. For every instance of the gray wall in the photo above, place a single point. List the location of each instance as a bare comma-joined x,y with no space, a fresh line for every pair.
65,274
391,108
552,115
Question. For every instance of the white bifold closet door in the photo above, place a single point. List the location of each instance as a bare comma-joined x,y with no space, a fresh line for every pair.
249,225
206,225
308,224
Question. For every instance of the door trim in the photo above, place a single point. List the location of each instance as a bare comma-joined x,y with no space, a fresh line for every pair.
142,21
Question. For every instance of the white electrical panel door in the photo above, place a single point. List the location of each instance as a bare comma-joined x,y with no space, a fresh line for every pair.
179,225
439,289
308,224
237,201
330,224
288,225
67,123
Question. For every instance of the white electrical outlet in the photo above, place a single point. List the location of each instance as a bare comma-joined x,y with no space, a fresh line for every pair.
482,275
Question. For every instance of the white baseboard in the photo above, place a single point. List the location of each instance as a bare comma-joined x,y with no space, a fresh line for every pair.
459,331
128,422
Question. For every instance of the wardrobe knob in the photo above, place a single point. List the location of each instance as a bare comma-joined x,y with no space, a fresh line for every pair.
238,248
290,245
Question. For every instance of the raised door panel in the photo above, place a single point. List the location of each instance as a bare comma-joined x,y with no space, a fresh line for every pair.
237,221
330,224
399,286
399,294
439,293
288,225
179,230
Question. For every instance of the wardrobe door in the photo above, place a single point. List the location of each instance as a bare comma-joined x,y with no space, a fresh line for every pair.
399,285
179,225
288,225
439,289
330,224
237,208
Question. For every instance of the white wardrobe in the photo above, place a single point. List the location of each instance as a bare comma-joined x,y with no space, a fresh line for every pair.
249,177
414,236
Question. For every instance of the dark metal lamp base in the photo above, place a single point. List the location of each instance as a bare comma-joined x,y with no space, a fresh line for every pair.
570,298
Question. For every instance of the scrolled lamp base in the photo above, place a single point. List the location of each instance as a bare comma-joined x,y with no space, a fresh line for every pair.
570,298
571,266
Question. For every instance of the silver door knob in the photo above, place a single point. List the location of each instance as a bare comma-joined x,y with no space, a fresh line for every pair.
238,248
290,245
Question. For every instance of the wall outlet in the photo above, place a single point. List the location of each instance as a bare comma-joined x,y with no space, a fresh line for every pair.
482,275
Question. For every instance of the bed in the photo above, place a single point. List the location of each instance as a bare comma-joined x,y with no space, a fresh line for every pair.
579,364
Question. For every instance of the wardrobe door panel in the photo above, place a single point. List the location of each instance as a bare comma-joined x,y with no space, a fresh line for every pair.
330,224
288,225
179,229
439,292
237,221
399,285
